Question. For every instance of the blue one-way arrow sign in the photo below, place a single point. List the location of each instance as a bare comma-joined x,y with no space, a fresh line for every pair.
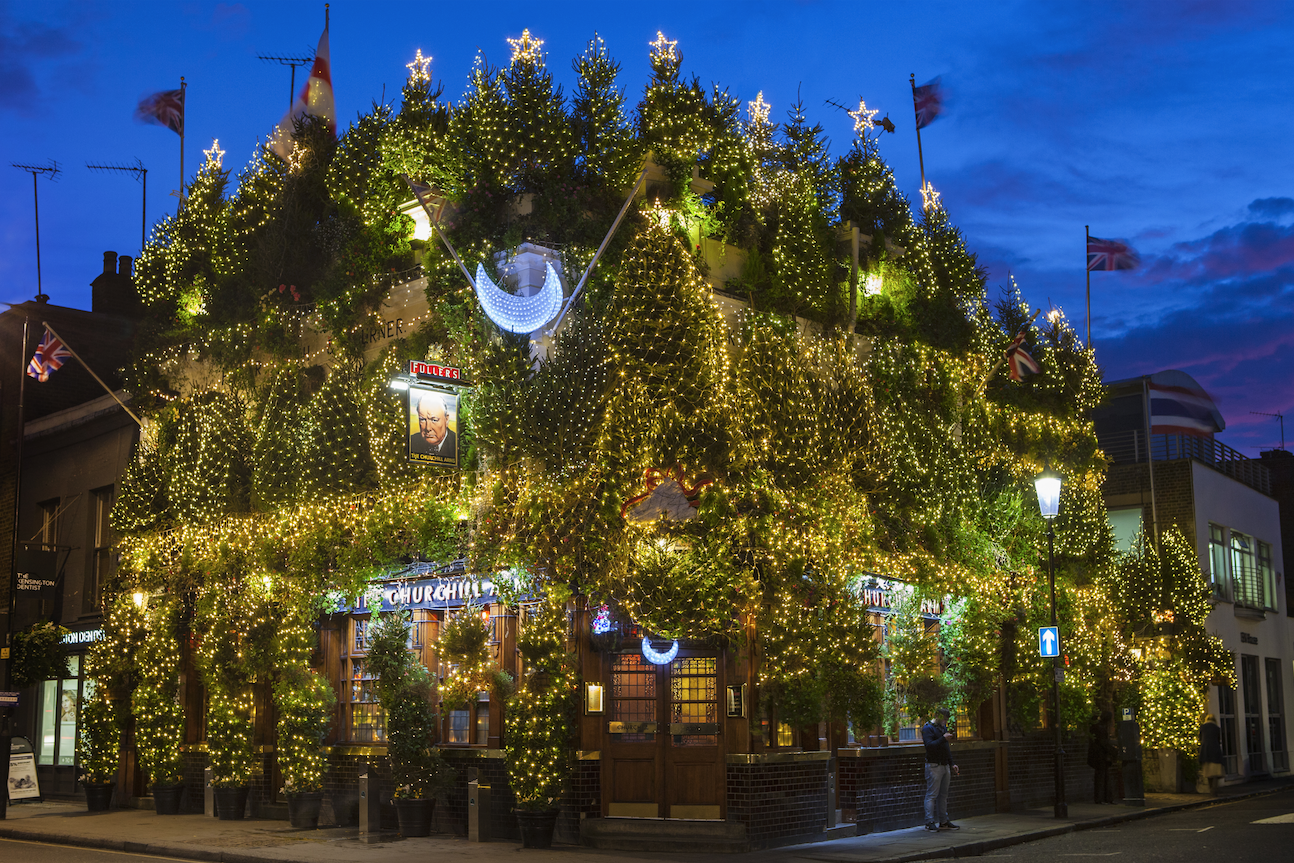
1048,641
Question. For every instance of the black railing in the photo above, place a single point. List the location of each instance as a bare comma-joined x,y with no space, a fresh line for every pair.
1129,447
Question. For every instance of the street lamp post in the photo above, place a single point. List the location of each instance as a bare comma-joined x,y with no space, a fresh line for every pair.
1047,484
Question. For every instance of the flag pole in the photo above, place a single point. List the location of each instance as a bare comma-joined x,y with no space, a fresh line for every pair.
912,79
1087,230
106,388
184,121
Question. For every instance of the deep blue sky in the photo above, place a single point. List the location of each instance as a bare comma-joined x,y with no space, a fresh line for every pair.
1165,123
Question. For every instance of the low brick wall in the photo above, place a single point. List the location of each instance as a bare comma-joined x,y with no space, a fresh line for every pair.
778,800
884,789
1031,764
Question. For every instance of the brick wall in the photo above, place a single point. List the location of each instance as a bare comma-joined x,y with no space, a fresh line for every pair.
885,789
1030,762
776,801
1174,492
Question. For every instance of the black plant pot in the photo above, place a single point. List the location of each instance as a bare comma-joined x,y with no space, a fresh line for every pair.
537,827
414,815
98,796
303,809
166,799
231,803
345,808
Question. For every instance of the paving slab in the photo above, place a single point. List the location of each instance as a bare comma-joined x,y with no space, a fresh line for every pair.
201,838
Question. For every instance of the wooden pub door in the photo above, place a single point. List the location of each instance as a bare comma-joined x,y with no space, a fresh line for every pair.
662,753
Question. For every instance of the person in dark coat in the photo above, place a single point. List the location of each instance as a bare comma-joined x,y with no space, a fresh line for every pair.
1100,755
939,771
1211,752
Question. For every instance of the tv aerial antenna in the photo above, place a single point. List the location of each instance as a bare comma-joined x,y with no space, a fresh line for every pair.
294,62
141,174
52,171
1280,416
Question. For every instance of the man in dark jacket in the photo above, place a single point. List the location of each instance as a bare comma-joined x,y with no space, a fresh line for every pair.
939,770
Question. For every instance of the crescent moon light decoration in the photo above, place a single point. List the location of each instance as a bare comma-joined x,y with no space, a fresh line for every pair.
657,658
519,314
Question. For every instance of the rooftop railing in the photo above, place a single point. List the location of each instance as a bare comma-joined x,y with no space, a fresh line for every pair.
1129,447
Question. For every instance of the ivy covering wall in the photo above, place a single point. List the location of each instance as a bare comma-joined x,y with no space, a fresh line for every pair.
867,439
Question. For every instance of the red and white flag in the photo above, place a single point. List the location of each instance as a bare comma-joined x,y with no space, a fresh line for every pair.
928,99
51,353
1110,255
164,108
316,100
1020,361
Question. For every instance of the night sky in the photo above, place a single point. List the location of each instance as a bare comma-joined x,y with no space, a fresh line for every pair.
1166,124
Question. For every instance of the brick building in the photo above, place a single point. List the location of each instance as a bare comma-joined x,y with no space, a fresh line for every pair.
1168,470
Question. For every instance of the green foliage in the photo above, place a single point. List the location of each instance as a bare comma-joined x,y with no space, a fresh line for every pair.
543,713
304,701
159,715
406,691
98,748
38,655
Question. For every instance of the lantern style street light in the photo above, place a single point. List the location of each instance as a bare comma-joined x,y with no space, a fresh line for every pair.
1047,485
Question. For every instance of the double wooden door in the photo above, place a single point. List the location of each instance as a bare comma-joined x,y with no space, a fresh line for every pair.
662,754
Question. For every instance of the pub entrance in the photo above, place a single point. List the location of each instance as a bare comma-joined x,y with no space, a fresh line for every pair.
662,749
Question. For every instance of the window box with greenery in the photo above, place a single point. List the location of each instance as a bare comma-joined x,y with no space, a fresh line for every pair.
406,692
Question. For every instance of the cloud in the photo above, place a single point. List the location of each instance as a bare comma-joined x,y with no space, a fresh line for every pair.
24,47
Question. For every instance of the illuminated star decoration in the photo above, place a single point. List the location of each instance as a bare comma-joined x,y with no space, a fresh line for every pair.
419,69
526,48
929,197
759,109
663,49
215,154
863,118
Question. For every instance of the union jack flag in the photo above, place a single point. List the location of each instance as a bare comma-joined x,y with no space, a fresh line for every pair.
1110,255
50,356
928,99
164,108
1020,360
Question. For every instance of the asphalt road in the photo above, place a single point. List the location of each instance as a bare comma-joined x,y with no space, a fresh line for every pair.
1230,832
18,851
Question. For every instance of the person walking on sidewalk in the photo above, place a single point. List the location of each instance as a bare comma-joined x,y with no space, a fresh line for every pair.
1211,752
1100,755
939,770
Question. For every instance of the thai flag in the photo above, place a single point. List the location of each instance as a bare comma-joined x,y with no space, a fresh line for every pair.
928,99
1020,361
1178,410
165,108
50,356
1110,255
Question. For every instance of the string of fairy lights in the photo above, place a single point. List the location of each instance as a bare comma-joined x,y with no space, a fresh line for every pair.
273,467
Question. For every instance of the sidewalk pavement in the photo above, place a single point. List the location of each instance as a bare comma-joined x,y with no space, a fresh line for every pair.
197,837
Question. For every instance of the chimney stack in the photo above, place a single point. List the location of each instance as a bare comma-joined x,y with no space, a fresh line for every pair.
113,291
109,263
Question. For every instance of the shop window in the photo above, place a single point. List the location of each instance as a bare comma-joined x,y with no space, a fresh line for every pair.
459,726
366,720
633,695
785,735
102,560
1218,581
483,724
1276,716
1253,702
694,698
1227,722
59,715
1126,525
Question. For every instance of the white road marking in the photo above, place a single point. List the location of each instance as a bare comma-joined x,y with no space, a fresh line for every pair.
1287,818
1090,854
1210,827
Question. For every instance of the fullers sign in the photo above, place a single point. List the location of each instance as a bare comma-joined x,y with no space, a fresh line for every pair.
430,593
433,372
